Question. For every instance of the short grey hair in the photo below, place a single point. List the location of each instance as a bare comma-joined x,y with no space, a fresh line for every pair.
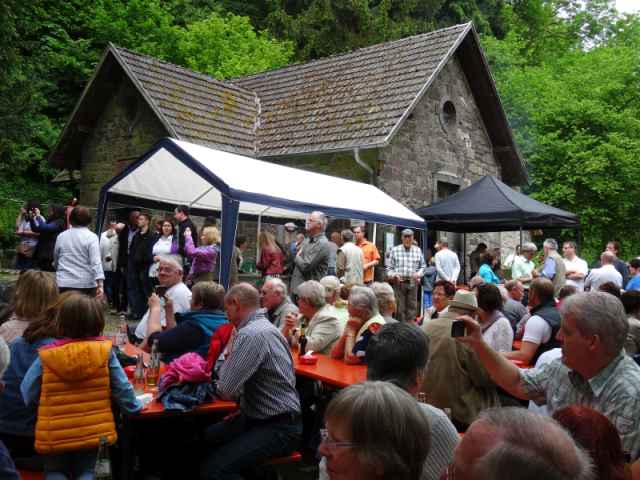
530,443
363,298
529,247
385,296
174,260
347,235
313,293
599,313
245,293
551,243
322,218
608,256
277,285
331,285
396,443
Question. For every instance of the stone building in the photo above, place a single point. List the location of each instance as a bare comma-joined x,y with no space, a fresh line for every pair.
419,117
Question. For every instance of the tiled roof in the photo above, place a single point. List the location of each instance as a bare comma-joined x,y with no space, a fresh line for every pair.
195,106
356,99
344,101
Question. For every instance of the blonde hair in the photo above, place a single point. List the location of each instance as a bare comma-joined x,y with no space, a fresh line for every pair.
35,291
267,240
211,235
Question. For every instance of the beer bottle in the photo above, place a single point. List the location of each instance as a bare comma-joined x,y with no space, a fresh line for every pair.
121,336
154,369
138,376
302,341
102,470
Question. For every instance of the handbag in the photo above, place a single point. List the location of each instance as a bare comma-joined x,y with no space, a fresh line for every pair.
26,250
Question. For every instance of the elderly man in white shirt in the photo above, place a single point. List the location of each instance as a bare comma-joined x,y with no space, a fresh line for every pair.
447,264
170,278
577,268
606,273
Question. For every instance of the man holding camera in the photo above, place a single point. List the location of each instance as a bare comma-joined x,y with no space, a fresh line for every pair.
454,378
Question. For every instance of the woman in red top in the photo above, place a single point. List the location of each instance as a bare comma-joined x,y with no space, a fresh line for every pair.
271,262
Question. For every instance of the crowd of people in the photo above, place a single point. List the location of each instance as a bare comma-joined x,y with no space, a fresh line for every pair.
538,371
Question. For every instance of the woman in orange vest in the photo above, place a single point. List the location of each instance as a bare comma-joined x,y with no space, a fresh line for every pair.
75,378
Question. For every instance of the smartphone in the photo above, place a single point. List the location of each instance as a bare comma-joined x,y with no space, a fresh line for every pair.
160,290
458,329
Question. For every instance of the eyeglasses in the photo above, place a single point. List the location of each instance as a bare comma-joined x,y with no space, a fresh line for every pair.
331,443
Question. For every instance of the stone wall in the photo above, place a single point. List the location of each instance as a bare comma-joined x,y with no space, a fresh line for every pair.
126,129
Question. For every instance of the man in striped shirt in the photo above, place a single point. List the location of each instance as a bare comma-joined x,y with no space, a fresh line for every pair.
405,269
259,374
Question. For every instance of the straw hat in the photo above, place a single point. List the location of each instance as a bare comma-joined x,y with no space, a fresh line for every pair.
465,300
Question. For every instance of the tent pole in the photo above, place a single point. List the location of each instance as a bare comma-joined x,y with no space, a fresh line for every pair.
200,196
464,257
258,233
520,238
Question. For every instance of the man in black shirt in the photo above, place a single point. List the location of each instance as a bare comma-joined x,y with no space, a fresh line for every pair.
181,214
140,259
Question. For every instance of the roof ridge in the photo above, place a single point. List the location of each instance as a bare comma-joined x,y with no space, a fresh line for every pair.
321,60
188,71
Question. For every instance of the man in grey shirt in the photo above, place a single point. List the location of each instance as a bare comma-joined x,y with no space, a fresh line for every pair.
312,260
513,308
273,297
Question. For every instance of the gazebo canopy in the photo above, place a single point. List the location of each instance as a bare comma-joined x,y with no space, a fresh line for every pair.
174,173
489,205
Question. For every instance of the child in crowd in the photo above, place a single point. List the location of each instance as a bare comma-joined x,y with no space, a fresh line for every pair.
75,378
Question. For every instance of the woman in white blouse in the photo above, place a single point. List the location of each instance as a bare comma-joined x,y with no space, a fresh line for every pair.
496,329
164,246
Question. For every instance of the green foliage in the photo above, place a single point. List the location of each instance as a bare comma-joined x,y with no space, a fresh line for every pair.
51,48
576,115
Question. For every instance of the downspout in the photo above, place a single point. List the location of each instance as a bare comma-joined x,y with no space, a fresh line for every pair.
367,168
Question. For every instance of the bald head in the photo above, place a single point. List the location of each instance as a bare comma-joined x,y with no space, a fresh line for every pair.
240,302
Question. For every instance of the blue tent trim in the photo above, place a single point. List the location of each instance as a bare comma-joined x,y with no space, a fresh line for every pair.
231,199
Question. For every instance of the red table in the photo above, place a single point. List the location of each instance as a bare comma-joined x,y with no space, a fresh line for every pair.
331,371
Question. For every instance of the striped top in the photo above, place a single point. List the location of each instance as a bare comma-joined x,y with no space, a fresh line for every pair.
259,370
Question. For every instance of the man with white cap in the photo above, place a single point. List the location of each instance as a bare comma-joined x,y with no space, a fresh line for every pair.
405,269
454,377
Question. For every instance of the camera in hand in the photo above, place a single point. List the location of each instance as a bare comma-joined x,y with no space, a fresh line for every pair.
458,328
160,290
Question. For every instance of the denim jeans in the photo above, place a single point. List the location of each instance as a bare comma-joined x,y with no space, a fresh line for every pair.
239,444
78,465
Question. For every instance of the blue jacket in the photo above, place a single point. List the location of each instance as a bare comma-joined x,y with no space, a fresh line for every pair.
15,417
192,333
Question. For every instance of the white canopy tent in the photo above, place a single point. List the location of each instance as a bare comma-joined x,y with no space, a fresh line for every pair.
174,172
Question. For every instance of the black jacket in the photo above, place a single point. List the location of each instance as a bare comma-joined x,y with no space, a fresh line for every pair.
142,249
47,241
550,314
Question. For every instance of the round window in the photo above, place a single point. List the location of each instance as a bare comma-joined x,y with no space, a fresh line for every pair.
448,114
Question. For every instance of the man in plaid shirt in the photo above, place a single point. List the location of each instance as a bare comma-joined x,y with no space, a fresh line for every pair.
405,268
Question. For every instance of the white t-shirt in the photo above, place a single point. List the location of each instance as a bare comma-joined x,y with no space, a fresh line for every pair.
537,330
447,265
576,265
180,295
499,335
547,357
602,275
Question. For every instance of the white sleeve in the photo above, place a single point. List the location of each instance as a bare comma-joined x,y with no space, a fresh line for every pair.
536,331
583,267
